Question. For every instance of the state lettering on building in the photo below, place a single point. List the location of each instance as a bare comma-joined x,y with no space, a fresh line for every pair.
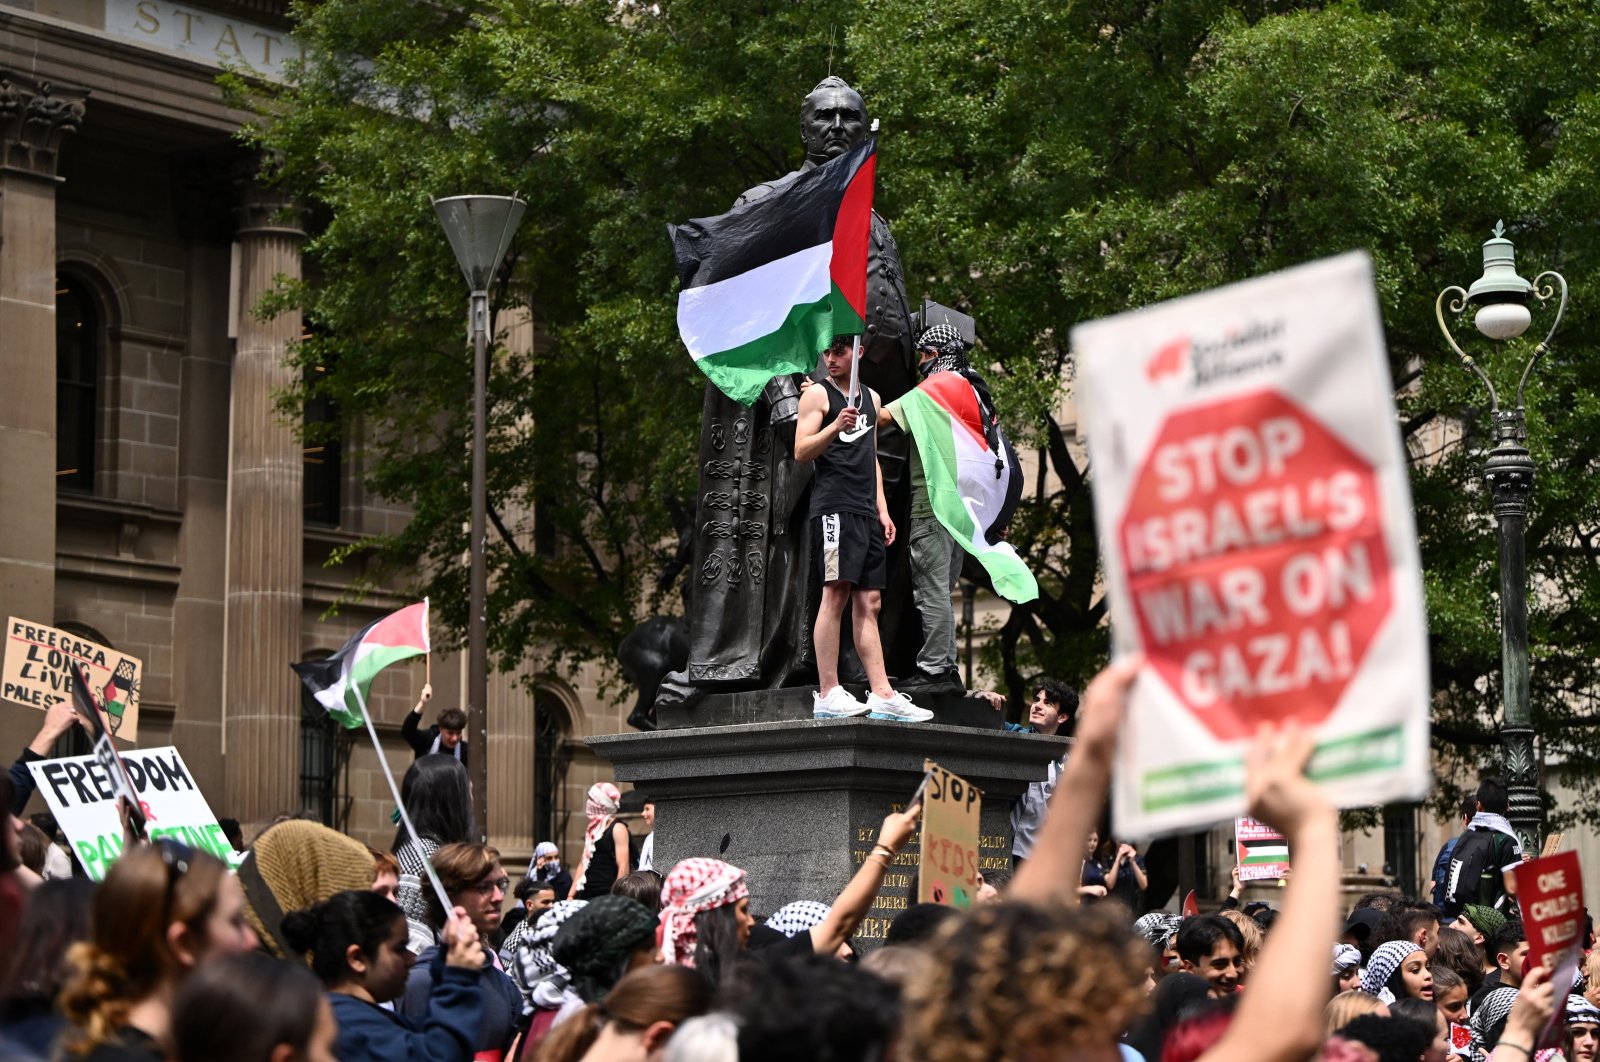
1255,521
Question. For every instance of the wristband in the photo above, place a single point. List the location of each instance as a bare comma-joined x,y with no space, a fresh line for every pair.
883,850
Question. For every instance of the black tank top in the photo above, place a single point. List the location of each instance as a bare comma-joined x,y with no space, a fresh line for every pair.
846,479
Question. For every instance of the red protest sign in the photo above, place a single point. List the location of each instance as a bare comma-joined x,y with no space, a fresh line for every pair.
1256,562
1550,893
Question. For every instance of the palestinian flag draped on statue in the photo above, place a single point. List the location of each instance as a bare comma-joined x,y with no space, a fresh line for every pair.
340,683
973,480
766,286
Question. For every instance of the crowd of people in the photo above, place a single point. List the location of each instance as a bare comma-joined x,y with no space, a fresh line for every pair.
320,948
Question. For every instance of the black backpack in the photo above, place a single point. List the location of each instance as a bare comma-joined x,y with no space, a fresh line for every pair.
1474,873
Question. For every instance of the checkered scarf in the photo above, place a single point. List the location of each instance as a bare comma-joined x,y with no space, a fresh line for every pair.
1384,962
1491,1016
1485,920
526,952
601,808
948,347
795,918
1157,927
1580,1010
694,885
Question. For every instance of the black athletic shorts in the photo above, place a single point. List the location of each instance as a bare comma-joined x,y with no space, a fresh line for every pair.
850,548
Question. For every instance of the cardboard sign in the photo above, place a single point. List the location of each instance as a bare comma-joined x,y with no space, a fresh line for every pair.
1263,852
1254,517
82,795
948,871
37,671
1550,894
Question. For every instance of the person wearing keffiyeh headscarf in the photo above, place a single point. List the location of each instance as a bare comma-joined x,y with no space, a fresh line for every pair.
1582,1042
602,863
1346,968
705,916
1380,977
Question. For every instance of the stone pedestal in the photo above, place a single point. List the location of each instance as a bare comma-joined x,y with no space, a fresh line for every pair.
797,803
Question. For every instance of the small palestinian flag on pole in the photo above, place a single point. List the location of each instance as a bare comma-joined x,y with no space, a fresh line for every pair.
341,682
973,486
116,692
766,286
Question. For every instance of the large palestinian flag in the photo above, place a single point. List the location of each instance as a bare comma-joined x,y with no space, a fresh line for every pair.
972,485
341,682
765,287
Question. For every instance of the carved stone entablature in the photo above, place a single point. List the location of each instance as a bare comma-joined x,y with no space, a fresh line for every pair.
34,116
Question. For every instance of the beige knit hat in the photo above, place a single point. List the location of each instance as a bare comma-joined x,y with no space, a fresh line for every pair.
292,866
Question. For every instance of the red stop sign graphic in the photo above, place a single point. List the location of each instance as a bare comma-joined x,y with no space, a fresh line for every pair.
1253,545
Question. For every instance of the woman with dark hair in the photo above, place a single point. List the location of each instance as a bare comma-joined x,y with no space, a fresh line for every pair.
705,917
639,1016
1425,1014
162,911
357,944
1398,969
253,1008
57,918
1457,951
438,798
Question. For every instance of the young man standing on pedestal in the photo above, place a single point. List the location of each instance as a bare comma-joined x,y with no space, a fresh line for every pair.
852,527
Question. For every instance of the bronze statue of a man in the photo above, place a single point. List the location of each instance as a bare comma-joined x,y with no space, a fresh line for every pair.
751,596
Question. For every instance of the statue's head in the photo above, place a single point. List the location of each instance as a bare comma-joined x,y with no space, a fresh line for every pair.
833,120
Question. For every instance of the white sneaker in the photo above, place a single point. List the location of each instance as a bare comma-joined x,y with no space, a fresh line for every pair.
838,704
898,708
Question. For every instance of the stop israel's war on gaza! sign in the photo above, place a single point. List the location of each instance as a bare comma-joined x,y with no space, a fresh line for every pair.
1255,520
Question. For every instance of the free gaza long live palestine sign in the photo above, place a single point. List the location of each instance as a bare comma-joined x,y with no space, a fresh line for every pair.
1255,520
37,665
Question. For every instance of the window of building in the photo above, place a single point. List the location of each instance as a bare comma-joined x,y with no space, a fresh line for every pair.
324,762
549,763
80,345
1400,846
322,458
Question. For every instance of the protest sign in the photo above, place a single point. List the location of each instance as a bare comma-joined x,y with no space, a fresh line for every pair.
948,872
81,793
1255,521
1263,852
37,672
1550,894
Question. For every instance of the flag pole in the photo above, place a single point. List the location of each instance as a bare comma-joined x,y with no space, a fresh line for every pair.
855,351
394,790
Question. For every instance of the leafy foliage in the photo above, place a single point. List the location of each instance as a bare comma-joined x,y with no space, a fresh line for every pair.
1042,164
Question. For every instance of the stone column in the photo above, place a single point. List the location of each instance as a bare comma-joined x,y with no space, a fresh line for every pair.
511,712
261,696
34,116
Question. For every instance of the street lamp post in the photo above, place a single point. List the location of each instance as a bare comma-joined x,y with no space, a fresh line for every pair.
1502,300
479,228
